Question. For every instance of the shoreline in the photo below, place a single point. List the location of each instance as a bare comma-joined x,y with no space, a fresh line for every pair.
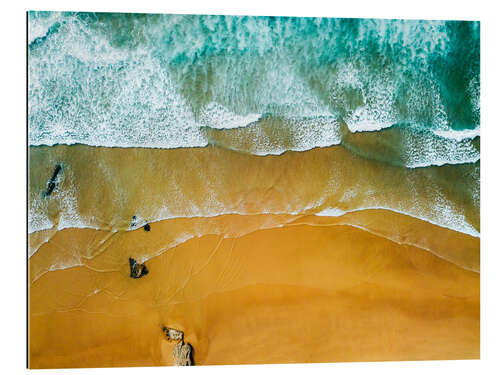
105,188
465,251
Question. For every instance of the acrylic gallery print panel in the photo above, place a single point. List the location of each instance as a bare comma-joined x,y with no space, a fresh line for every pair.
239,190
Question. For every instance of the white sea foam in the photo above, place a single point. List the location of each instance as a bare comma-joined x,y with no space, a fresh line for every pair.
217,117
37,215
40,28
362,122
293,135
448,217
458,135
378,109
333,212
423,149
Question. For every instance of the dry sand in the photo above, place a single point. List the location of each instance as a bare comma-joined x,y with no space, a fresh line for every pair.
315,289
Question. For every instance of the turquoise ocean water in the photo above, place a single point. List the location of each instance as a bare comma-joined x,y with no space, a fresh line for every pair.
126,80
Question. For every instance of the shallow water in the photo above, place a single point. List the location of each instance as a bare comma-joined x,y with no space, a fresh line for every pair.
105,187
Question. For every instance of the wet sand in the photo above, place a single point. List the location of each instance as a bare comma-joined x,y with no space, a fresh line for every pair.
303,289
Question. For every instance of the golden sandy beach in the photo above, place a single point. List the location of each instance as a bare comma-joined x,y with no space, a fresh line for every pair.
313,290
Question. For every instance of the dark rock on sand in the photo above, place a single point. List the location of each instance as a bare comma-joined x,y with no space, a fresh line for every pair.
147,228
137,270
52,183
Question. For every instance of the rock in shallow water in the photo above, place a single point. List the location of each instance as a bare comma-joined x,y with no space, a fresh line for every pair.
52,183
133,222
